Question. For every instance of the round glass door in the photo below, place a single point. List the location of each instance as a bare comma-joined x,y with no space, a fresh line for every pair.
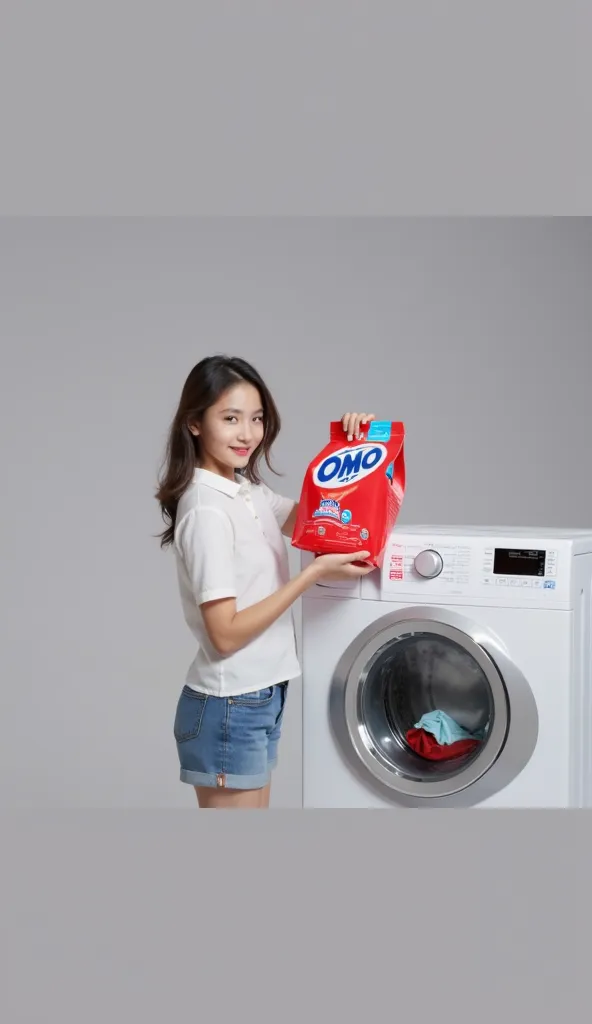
426,708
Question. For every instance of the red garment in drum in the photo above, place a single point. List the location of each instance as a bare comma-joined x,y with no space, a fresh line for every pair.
426,745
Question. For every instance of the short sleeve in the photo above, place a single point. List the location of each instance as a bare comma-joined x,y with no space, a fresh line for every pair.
205,542
281,507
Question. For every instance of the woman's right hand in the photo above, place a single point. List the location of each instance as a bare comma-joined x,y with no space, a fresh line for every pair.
340,567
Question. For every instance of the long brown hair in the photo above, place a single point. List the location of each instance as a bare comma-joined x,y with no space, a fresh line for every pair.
206,383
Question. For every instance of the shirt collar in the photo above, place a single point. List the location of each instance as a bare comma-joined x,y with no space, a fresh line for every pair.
221,483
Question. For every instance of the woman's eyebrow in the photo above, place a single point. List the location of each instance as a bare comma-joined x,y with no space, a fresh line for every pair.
256,413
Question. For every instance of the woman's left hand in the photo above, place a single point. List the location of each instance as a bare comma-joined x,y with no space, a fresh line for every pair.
352,421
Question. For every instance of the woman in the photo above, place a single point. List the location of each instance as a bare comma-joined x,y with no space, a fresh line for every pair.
226,528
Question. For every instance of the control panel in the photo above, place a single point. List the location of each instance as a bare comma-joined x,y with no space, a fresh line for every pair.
477,567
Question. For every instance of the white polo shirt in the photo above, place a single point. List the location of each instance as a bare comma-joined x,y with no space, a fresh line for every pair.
228,543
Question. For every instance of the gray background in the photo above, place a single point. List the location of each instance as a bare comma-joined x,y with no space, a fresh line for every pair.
299,106
475,332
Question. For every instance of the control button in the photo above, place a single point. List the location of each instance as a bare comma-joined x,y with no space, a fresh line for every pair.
428,564
551,570
536,583
501,581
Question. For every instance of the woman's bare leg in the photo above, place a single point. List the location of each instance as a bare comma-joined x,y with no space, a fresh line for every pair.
219,798
264,796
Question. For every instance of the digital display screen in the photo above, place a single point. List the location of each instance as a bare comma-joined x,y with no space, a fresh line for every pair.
514,562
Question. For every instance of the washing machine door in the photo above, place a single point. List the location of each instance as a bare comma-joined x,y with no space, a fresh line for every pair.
419,660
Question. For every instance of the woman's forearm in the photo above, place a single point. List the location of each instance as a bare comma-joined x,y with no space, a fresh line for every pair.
230,631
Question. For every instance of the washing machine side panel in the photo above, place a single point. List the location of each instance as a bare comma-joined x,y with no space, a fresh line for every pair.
581,704
539,642
327,629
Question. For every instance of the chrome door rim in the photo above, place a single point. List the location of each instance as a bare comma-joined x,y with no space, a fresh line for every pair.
489,770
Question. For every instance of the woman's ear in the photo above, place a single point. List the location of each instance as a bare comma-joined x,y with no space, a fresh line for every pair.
194,430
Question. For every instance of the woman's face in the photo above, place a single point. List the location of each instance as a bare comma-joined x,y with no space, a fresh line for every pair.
230,430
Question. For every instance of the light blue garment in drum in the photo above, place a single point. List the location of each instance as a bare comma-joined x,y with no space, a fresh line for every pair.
445,729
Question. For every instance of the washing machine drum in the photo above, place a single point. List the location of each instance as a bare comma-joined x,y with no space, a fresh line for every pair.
412,681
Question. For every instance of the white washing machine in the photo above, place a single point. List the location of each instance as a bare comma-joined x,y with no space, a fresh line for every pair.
492,626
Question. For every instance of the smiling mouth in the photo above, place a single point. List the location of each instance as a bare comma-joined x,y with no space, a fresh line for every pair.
240,451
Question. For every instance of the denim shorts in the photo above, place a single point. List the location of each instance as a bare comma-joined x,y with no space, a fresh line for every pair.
229,741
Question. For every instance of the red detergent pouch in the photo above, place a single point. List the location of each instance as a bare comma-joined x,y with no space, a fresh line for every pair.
352,492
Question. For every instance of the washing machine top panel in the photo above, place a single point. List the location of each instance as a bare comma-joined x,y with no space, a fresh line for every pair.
484,565
509,566
581,538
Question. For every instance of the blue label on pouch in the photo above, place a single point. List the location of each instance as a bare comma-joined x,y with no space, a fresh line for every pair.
328,509
379,430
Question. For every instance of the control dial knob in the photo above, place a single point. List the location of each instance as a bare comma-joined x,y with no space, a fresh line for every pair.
428,564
